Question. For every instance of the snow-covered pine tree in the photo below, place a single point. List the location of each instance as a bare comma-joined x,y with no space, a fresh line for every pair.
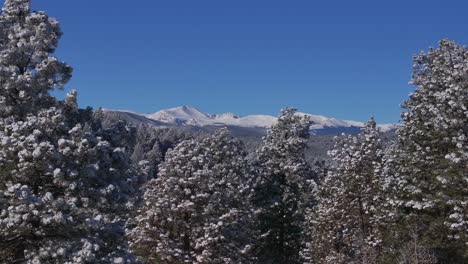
281,185
147,151
27,71
195,211
429,167
63,187
345,222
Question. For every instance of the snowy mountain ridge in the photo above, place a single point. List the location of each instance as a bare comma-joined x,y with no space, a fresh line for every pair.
191,116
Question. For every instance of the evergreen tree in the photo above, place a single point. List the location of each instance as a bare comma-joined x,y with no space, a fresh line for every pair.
282,176
195,211
63,186
346,220
28,72
428,169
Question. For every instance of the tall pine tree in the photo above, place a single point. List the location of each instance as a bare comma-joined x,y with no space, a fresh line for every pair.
279,202
63,186
196,211
346,220
429,167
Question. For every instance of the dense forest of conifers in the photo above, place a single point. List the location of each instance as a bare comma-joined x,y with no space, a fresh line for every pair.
76,188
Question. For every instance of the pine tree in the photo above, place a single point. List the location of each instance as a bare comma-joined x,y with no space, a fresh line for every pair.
147,151
428,169
27,71
63,187
279,201
346,220
195,211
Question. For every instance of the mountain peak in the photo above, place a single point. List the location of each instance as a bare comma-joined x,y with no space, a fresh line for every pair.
183,109
187,108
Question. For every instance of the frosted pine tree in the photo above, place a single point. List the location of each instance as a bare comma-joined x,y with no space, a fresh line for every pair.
346,220
63,187
28,71
195,211
280,189
429,167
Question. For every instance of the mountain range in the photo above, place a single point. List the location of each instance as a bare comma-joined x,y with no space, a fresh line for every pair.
192,117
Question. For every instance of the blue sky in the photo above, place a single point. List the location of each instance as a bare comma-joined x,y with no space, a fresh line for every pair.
346,59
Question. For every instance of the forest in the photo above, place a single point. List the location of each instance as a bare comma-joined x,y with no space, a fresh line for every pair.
78,187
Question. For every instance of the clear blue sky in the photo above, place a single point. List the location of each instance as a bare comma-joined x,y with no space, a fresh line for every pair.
347,59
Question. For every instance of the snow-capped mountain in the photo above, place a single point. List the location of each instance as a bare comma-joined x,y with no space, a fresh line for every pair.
187,115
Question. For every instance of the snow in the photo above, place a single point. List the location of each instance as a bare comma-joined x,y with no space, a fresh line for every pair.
387,127
188,115
184,115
